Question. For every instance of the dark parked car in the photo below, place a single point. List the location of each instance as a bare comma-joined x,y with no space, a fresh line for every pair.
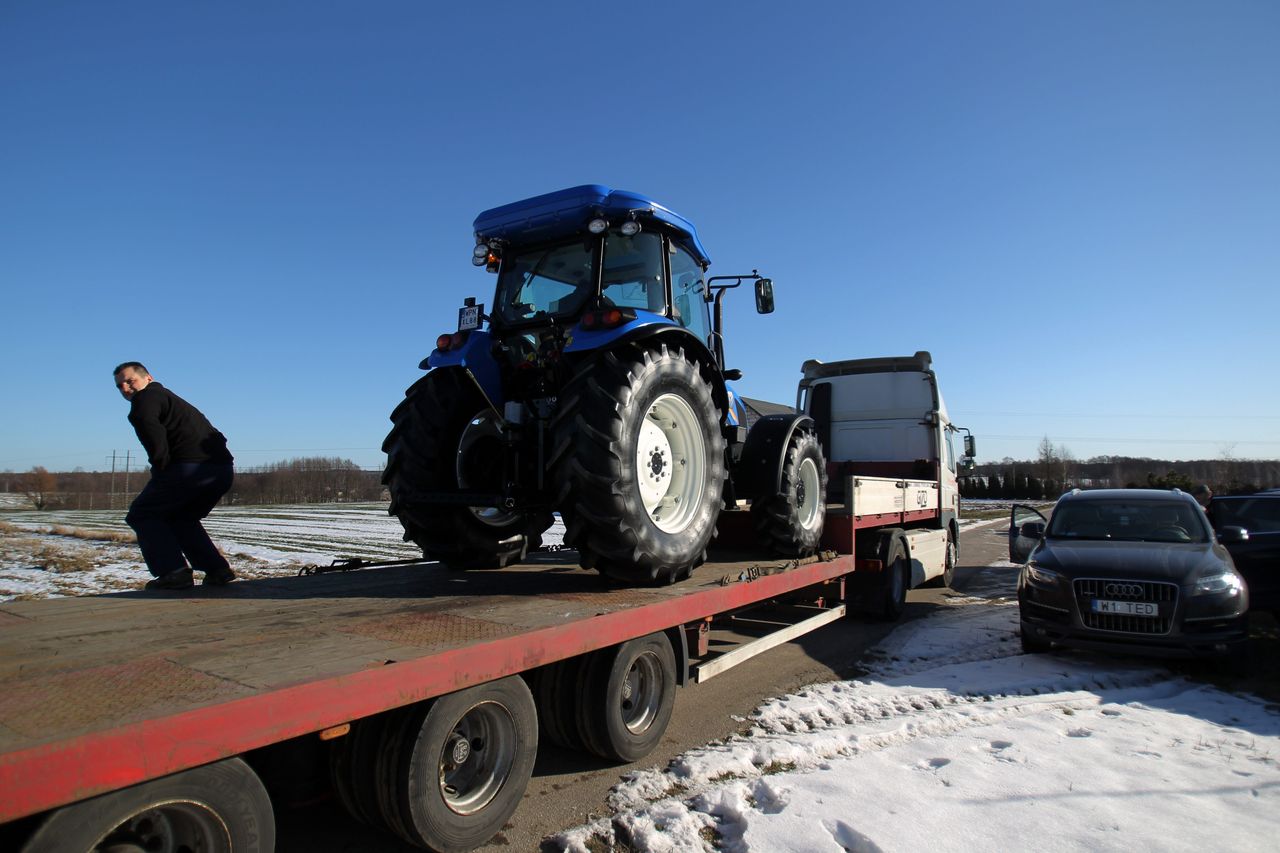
1137,569
1249,526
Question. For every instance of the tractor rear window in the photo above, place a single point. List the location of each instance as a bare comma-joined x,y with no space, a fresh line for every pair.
550,282
632,274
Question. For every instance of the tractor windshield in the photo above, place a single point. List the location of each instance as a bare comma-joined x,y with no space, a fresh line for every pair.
547,282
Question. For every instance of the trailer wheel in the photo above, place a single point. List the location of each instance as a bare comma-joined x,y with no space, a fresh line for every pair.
638,463
444,438
556,692
627,698
894,584
790,521
218,808
463,764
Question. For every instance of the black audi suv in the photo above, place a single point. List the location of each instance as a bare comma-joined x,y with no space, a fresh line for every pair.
1137,569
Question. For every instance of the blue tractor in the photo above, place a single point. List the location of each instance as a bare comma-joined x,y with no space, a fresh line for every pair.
595,386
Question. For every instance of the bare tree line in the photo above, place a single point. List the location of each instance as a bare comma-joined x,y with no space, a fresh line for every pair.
1055,470
306,480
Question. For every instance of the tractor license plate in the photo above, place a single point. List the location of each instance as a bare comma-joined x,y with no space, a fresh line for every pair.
1126,608
469,317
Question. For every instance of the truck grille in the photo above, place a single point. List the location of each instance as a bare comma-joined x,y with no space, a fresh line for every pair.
1113,589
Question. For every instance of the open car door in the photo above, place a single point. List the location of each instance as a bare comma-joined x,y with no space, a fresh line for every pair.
1026,529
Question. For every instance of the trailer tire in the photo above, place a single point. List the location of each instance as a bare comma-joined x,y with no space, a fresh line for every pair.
443,438
463,763
354,771
638,463
217,808
894,584
556,692
627,698
789,521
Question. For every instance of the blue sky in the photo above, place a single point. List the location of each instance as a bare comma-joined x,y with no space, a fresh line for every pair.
1074,206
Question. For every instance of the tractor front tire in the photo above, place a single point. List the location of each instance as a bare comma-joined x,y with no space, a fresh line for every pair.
444,438
790,521
638,463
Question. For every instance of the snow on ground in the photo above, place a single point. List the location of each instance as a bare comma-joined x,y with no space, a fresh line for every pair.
956,741
259,541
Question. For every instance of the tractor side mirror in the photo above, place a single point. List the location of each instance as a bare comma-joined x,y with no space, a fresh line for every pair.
764,296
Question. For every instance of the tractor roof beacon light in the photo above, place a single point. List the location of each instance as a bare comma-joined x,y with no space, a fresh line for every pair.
598,225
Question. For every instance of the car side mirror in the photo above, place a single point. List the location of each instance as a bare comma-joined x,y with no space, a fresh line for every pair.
1232,534
764,296
1032,530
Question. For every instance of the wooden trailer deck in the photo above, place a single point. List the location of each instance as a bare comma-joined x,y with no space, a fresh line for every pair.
101,692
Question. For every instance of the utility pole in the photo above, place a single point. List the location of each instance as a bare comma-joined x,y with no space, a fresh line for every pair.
127,454
111,500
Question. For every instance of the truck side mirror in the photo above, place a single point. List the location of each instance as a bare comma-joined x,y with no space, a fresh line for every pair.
970,448
764,296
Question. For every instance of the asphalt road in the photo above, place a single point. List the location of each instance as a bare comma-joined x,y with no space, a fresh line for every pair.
569,788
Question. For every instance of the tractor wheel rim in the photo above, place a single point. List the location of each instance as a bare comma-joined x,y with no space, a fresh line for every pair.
481,441
671,462
808,494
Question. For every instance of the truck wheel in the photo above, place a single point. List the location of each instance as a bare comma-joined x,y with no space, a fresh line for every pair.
444,438
463,764
790,522
949,566
627,698
894,584
638,463
218,808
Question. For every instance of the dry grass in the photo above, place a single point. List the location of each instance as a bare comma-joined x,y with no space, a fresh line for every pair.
118,536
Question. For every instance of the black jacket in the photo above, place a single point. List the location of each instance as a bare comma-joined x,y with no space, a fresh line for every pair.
173,430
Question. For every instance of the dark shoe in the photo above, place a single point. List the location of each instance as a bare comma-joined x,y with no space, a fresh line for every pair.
176,579
218,577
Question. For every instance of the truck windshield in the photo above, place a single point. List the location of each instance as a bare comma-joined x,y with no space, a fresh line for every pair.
547,282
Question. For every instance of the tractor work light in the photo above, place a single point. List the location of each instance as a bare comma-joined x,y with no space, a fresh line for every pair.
598,225
630,228
480,255
607,318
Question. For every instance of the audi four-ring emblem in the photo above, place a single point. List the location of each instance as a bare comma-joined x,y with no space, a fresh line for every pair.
1126,590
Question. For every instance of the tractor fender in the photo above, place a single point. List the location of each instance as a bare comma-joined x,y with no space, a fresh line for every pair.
475,356
655,327
759,471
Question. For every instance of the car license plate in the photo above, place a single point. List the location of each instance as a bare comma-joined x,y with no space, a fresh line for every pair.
1126,608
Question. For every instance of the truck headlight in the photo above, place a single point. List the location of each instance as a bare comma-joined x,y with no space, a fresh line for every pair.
1218,583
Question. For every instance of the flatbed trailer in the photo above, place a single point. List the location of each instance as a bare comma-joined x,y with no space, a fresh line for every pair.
101,694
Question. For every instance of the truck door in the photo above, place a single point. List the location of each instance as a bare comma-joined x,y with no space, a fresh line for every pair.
1026,529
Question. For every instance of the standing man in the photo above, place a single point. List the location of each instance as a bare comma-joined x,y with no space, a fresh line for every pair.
191,469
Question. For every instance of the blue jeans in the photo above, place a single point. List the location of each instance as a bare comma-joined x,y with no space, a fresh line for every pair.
166,516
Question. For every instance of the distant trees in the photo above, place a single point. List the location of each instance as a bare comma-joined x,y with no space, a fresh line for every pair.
1054,471
39,486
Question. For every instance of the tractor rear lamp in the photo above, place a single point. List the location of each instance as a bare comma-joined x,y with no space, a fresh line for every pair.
607,318
451,341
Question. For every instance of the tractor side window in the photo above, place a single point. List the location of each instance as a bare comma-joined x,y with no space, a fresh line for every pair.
632,275
689,293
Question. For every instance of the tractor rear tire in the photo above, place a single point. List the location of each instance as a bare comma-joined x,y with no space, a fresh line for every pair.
444,438
638,463
790,521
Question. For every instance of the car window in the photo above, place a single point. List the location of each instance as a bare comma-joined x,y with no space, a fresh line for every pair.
1135,521
1257,515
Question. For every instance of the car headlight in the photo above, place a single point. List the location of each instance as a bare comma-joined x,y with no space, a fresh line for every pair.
1040,576
1218,583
